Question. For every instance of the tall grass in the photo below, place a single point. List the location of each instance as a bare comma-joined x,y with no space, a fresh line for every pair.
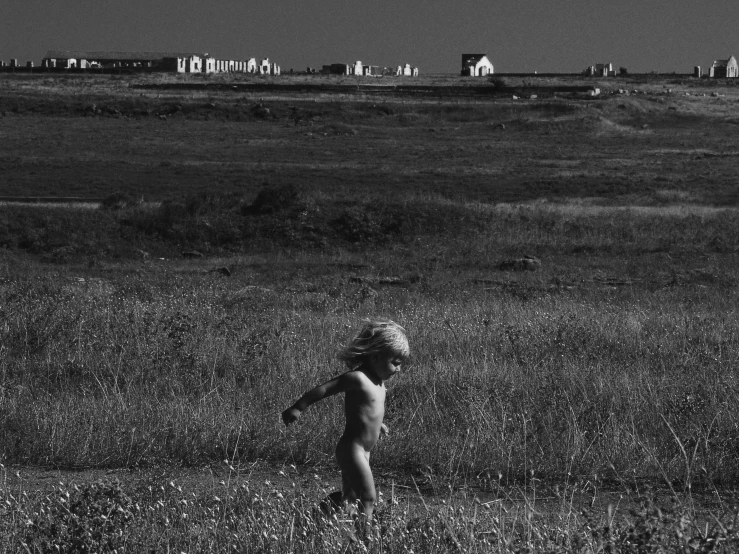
615,360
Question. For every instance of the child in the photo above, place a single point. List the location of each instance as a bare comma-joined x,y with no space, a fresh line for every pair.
373,356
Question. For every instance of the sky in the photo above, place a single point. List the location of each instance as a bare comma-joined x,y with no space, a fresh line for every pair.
517,35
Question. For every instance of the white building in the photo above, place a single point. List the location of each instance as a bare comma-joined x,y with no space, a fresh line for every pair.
724,69
476,65
406,70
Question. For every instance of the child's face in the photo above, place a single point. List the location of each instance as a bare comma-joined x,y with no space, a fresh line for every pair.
385,364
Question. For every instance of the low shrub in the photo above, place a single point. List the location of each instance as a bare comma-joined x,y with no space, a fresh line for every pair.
274,200
92,518
200,221
383,221
361,224
117,201
499,82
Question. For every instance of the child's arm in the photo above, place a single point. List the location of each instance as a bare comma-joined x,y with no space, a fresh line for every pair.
339,384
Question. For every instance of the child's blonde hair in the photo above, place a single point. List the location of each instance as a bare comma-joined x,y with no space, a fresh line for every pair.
376,335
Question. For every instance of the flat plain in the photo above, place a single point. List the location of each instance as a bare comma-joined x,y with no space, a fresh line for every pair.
237,237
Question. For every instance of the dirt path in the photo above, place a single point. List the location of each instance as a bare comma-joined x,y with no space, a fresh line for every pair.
418,495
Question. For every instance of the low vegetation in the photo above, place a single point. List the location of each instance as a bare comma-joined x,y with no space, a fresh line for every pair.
236,514
171,330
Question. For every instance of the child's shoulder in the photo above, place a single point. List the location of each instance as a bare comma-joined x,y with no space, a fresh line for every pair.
354,376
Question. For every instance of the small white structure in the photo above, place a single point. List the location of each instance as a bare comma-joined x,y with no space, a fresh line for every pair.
357,69
267,68
724,69
602,70
191,64
476,65
406,71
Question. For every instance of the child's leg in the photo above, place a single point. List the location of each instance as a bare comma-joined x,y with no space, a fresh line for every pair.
348,496
356,476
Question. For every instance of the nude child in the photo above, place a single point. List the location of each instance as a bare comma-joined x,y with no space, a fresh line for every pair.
373,356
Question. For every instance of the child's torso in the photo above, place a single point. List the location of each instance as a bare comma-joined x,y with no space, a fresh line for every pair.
364,409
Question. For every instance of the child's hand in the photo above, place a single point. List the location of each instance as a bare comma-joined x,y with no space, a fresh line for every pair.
290,415
384,430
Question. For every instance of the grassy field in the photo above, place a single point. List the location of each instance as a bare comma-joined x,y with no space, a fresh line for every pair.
242,239
93,136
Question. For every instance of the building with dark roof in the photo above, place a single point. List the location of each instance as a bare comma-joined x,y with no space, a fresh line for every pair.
722,69
476,65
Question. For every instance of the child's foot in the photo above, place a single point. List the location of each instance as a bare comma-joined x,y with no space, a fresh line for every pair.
349,506
331,504
351,535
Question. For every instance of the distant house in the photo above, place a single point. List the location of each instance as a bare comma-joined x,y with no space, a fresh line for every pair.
476,65
406,70
267,68
193,63
337,69
724,69
605,69
357,68
601,70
